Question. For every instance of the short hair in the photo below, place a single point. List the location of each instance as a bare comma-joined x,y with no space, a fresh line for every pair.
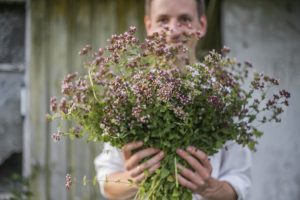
200,7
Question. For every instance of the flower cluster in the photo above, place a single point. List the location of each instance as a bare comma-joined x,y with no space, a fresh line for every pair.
68,181
135,91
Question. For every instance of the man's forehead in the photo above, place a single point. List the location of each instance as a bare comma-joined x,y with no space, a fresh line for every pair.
176,7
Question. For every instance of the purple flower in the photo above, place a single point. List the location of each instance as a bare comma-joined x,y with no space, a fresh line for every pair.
215,101
56,136
53,104
68,181
63,106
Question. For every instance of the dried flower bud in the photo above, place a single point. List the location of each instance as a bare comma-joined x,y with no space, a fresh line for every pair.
83,51
247,63
225,50
88,47
53,104
285,93
70,77
274,81
82,85
67,88
63,106
56,136
100,51
68,181
132,30
98,60
215,101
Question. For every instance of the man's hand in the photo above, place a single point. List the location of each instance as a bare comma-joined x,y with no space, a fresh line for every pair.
135,169
199,179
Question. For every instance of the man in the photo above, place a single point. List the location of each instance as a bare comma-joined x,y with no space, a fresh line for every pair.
226,175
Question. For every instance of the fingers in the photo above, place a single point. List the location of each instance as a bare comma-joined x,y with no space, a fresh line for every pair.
142,176
132,160
148,164
201,156
151,165
191,176
135,159
185,183
128,148
154,168
155,159
194,163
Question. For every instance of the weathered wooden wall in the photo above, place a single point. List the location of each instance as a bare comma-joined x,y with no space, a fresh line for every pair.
56,31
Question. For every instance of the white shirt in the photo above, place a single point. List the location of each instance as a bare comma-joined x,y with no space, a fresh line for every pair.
231,165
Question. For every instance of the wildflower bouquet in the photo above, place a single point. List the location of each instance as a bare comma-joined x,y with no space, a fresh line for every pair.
140,91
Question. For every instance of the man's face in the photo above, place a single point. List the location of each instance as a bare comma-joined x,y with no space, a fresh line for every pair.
179,16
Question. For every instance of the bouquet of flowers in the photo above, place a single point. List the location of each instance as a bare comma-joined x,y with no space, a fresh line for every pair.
146,91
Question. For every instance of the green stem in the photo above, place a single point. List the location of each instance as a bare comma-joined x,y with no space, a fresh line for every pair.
176,172
92,83
153,189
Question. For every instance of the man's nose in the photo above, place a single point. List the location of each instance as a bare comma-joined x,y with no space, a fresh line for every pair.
175,31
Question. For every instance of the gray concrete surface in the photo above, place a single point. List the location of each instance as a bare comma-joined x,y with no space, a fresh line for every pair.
12,33
10,117
267,33
12,29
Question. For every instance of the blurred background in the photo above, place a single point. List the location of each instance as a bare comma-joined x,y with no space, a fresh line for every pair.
39,44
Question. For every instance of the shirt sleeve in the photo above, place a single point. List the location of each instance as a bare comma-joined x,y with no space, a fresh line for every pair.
108,162
235,168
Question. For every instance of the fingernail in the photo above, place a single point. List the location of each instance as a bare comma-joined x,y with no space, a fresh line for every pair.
161,153
179,150
140,143
190,148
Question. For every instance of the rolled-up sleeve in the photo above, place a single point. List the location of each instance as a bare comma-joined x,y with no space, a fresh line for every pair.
236,168
108,162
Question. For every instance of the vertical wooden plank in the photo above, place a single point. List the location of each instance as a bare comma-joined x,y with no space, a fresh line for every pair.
99,24
71,13
79,149
107,26
57,69
137,18
26,171
121,15
37,104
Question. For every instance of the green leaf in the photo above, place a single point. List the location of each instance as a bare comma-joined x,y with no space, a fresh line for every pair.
164,173
170,178
257,133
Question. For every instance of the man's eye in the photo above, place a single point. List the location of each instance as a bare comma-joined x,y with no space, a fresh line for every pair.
185,19
162,20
